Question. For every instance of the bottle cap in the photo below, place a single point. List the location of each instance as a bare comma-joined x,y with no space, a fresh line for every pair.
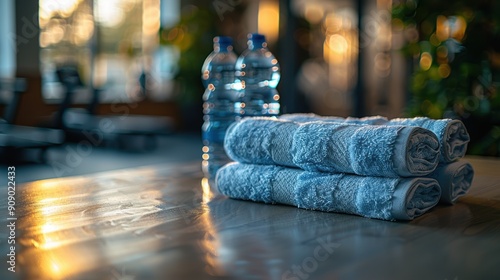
256,40
223,42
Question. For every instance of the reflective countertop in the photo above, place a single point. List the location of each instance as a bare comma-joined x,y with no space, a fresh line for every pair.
165,222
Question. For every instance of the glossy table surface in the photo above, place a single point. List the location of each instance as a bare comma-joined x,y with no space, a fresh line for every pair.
165,222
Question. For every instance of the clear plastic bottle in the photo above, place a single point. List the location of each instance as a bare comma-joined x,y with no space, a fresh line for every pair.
218,107
257,75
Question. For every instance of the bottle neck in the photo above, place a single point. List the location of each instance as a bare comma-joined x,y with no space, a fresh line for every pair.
222,48
256,45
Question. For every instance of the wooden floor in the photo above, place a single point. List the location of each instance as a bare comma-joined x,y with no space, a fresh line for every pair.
165,222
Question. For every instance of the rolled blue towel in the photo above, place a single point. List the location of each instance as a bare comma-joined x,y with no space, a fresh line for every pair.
452,134
388,151
455,180
372,197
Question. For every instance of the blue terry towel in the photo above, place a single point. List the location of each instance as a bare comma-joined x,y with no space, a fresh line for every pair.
388,151
310,117
455,180
452,134
373,197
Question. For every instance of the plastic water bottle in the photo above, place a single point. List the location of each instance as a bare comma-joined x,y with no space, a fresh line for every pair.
257,75
218,107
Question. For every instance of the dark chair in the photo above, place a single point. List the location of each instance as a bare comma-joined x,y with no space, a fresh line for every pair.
123,128
14,139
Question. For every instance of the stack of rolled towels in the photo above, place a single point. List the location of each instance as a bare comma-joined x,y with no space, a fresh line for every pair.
373,167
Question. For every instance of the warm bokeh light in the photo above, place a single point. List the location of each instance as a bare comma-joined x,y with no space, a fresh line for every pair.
442,28
313,12
65,21
458,27
433,39
383,63
340,49
83,29
150,25
150,17
51,8
450,27
334,23
444,70
442,54
53,34
425,61
109,13
268,20
338,44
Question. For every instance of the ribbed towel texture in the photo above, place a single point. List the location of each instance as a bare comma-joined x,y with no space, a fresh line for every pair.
389,151
373,197
452,134
310,117
372,166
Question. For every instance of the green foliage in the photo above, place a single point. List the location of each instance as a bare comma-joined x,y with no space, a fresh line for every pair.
192,36
455,47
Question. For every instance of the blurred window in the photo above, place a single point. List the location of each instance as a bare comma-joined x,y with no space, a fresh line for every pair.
7,45
114,43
